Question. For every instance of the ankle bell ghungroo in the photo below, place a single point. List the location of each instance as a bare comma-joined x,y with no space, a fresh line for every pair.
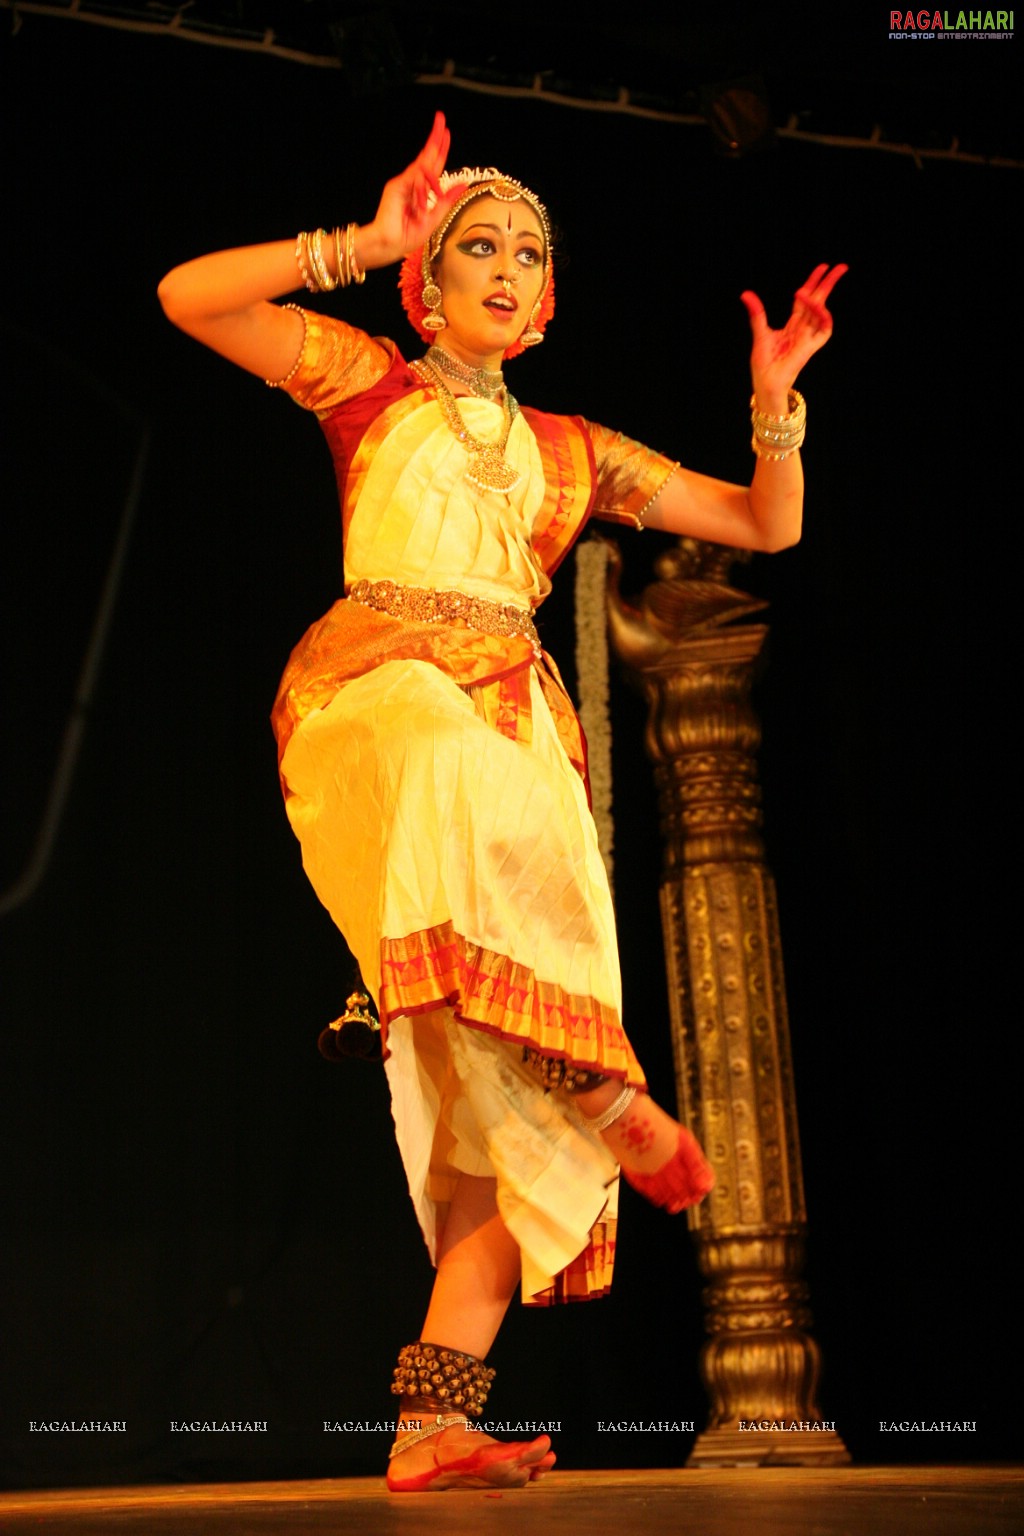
428,1375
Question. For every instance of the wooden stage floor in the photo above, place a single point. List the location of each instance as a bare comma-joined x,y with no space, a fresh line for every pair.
801,1501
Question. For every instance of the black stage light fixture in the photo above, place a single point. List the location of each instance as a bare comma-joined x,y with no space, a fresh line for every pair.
739,115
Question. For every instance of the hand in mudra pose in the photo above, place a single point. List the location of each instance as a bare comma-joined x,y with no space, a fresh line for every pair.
412,204
778,356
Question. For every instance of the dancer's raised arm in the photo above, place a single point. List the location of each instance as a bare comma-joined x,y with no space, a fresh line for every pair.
767,514
224,299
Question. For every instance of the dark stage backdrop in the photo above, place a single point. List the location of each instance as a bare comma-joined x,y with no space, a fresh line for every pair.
203,1220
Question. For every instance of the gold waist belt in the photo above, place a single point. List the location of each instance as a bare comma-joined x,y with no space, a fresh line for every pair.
425,606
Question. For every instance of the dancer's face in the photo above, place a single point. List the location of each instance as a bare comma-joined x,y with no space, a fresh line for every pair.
491,274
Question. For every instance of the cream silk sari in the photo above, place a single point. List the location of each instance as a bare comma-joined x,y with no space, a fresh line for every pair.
435,777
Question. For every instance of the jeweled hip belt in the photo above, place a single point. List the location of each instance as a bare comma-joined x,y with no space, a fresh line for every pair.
423,605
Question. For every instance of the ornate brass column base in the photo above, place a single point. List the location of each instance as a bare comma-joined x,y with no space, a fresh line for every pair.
761,1363
769,1448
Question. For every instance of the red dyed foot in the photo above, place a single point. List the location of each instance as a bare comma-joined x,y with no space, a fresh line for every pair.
460,1458
684,1180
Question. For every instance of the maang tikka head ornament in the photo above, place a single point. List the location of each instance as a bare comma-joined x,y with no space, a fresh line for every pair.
422,298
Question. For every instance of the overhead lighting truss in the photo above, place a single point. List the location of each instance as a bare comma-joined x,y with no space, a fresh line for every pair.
252,26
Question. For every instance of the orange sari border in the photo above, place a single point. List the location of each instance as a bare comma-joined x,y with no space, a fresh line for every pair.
570,480
394,412
589,1276
438,967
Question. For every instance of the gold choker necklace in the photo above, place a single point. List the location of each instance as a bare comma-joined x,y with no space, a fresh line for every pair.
482,381
488,468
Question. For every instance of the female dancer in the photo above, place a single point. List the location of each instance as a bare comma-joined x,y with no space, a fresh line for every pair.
434,770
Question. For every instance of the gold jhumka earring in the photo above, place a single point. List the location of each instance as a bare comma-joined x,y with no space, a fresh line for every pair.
432,297
531,337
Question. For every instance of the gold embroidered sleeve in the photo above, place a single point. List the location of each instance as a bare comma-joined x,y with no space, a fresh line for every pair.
629,476
336,362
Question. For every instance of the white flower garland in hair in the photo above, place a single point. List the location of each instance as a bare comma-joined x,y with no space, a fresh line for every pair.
470,174
592,674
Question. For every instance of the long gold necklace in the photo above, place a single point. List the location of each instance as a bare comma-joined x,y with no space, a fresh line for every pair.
488,468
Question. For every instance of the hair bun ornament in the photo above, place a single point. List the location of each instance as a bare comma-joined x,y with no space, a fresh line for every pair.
355,1035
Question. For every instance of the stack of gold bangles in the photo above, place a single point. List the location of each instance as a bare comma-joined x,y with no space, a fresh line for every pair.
309,258
777,436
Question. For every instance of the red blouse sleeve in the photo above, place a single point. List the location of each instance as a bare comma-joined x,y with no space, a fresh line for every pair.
629,476
336,363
